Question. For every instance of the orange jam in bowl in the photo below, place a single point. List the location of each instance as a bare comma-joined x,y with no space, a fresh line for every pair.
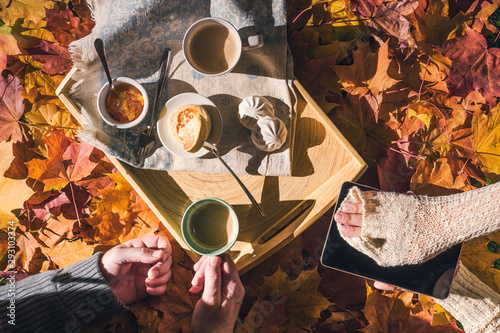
125,106
125,103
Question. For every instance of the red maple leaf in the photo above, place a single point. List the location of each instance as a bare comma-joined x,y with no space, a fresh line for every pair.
11,108
69,24
474,66
388,16
55,59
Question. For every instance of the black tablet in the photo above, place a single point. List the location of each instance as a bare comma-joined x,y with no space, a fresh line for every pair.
432,278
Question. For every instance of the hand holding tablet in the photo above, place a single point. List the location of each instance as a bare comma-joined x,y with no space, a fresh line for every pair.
432,277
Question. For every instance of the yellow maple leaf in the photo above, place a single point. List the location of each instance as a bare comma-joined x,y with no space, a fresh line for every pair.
66,253
51,112
441,316
486,139
480,261
434,70
117,199
37,30
20,9
434,26
141,222
37,83
437,178
109,228
426,302
369,70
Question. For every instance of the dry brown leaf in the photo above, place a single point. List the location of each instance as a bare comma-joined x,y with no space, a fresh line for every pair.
386,312
303,302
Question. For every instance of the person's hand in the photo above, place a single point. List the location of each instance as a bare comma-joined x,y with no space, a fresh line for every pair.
350,220
218,307
138,267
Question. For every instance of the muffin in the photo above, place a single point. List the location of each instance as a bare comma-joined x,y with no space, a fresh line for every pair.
190,125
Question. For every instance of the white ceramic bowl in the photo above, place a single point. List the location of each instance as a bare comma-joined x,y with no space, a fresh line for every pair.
102,99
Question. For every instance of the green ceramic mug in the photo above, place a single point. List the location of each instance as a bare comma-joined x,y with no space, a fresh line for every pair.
210,226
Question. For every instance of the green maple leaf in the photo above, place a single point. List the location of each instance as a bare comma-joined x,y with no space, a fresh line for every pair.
495,18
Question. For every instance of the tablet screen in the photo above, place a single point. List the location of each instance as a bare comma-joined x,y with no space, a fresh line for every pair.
432,278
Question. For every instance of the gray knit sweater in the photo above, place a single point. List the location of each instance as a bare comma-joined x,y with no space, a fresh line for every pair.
58,301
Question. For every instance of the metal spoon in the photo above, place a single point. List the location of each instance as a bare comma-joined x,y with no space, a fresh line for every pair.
214,150
99,47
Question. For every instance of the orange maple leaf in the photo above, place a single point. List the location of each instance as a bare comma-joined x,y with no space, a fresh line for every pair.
368,76
67,162
384,312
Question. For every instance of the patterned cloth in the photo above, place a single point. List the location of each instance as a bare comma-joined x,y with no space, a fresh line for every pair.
135,34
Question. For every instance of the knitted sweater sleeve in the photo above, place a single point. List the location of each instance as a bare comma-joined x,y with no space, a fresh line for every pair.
473,303
58,301
401,229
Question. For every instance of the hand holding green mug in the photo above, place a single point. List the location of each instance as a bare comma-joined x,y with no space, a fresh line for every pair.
210,226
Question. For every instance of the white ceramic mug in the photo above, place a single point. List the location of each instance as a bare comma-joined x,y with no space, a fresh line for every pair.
212,46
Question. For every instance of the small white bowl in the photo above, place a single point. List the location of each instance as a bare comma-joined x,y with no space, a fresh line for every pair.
102,98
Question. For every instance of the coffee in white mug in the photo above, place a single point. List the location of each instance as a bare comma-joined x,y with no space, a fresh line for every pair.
212,46
213,49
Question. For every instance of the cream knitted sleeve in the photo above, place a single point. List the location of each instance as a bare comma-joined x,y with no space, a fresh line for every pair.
401,229
473,303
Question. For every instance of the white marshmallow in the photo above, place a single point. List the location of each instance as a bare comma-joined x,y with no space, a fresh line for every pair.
269,133
253,108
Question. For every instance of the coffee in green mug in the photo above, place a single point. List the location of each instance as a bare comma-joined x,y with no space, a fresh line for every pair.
210,226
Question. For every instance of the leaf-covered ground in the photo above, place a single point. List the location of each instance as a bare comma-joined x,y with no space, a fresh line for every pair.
412,84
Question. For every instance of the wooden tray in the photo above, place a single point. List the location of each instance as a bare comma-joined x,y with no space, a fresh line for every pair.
322,160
